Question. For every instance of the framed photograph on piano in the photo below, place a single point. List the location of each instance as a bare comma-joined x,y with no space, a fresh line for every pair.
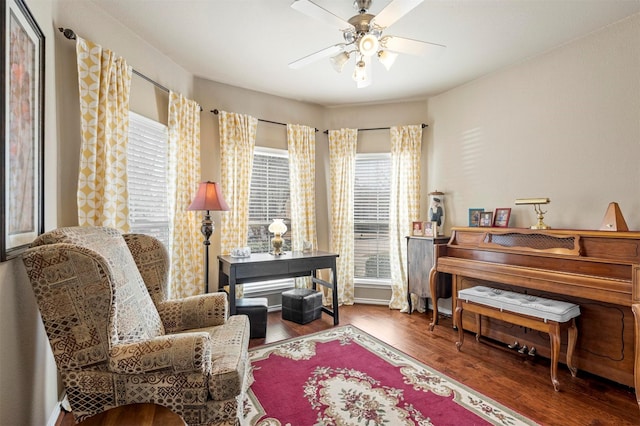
474,217
501,217
486,219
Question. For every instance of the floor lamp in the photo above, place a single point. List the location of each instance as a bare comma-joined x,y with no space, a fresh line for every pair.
208,198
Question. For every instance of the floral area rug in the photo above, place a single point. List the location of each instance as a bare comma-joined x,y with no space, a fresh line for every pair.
344,376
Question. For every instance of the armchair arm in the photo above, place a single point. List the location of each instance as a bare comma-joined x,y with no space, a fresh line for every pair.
204,310
187,352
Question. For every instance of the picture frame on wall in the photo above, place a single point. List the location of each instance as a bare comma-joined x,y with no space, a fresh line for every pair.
501,217
474,217
417,229
22,129
486,219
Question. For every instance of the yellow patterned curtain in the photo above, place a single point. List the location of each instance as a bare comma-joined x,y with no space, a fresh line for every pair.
404,206
187,250
237,141
342,159
302,183
104,81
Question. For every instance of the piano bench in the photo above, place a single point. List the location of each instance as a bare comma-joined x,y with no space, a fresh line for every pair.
538,313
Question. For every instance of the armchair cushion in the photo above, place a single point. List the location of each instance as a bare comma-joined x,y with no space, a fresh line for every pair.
204,310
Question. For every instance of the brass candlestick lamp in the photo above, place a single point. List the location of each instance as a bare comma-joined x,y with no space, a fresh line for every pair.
536,206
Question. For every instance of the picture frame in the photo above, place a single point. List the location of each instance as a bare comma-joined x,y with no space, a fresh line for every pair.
430,229
417,229
486,219
22,129
474,217
501,217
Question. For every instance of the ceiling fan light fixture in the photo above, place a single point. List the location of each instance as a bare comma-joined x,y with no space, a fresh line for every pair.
360,72
349,36
368,45
387,58
338,61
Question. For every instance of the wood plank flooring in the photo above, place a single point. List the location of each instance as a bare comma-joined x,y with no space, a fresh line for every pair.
520,382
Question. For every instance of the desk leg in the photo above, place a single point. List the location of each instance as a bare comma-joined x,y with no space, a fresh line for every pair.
335,293
232,291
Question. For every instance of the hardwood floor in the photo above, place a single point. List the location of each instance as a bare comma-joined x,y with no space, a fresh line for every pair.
520,382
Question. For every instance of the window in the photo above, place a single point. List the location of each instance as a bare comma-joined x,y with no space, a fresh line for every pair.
147,177
268,198
371,217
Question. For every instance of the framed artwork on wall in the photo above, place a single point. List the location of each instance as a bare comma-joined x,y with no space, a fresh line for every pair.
501,217
22,129
486,219
474,217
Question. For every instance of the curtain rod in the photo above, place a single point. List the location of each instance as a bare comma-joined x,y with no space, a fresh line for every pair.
71,35
216,112
326,132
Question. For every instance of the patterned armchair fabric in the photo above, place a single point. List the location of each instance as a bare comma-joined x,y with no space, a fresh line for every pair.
118,340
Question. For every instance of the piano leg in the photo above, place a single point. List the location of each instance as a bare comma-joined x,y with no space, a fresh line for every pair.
636,372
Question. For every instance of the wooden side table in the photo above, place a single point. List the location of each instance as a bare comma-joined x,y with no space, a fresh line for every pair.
135,415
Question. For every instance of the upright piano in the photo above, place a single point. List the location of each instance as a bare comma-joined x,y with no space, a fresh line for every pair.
599,270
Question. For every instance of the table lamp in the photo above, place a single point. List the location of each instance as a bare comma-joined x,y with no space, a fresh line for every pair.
208,198
277,228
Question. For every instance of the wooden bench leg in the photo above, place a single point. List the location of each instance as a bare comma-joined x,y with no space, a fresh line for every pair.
554,335
572,332
479,324
458,320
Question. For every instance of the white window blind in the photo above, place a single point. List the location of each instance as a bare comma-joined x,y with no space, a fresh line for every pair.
269,198
371,216
147,177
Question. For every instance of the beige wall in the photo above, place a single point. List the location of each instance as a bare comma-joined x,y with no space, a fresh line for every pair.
565,125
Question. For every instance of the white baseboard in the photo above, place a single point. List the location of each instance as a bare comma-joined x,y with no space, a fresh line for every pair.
55,414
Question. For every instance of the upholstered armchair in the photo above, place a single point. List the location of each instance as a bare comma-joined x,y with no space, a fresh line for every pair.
117,339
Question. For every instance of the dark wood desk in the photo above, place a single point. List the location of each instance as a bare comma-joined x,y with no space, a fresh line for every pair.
265,267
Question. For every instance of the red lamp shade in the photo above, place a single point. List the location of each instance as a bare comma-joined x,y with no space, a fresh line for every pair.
209,197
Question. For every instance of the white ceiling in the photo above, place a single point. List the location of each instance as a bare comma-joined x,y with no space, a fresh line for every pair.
249,43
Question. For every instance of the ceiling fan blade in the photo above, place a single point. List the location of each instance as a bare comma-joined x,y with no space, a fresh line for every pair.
311,9
410,46
394,11
328,51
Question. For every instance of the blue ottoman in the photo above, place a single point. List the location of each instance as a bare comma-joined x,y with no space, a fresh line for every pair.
301,305
256,309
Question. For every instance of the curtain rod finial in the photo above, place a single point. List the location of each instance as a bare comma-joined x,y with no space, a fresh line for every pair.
68,33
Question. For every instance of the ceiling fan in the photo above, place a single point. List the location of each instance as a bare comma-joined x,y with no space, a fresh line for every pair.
363,37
